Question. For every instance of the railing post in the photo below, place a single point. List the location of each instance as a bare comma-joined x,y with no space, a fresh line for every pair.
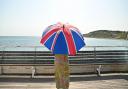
35,55
33,68
94,52
127,52
2,70
35,60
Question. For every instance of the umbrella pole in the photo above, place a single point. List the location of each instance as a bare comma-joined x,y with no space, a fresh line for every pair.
62,71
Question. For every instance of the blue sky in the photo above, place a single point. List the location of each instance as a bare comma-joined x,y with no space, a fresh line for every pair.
31,17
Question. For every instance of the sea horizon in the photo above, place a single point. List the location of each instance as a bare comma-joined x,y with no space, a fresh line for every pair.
34,41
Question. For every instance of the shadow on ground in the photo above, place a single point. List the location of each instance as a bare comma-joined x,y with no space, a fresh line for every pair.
94,78
73,79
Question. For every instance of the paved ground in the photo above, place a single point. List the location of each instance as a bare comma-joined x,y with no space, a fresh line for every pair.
106,81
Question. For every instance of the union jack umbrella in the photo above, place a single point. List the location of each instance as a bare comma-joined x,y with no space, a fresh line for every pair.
62,39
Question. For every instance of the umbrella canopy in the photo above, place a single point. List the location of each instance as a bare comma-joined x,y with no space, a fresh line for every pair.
62,39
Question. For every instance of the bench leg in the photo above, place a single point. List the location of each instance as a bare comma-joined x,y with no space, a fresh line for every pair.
99,70
33,72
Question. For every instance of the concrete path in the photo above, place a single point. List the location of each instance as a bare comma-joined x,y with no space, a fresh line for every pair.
106,81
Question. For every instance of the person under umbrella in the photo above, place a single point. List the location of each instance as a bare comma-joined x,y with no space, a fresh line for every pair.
62,40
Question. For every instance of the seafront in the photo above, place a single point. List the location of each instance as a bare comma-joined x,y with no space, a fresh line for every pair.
42,62
106,81
16,69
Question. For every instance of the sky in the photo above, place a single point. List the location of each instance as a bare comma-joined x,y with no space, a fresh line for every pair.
31,17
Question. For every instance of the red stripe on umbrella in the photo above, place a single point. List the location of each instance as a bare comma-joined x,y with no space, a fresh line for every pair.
47,35
70,41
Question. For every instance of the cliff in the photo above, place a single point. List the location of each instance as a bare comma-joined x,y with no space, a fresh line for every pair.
108,34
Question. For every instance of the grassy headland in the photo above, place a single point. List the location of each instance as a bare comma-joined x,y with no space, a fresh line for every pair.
108,34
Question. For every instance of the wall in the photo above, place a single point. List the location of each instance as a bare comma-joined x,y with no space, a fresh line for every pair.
73,69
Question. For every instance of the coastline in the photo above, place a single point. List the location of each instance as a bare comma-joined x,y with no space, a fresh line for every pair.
107,38
108,34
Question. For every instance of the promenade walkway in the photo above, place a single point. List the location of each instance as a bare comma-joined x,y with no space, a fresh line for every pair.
106,81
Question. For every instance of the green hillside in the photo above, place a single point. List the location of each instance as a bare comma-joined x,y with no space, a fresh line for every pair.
108,34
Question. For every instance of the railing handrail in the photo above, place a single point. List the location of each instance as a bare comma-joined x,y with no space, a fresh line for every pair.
43,46
35,47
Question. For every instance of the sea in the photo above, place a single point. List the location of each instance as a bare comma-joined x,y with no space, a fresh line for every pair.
27,43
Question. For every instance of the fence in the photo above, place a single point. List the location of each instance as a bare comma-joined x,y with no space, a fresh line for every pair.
22,59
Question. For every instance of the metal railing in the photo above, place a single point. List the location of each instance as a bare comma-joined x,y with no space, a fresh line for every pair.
40,55
42,48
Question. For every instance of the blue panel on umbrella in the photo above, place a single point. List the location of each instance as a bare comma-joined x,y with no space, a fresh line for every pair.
49,42
60,45
79,42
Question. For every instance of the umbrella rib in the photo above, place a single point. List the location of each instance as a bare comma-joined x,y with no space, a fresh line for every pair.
54,41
